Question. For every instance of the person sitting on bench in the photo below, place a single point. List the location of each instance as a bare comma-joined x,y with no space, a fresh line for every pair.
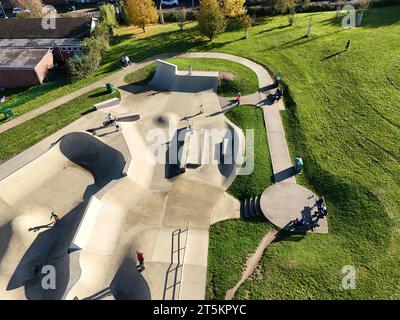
323,212
299,223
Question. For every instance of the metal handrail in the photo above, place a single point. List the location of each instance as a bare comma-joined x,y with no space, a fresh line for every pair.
178,233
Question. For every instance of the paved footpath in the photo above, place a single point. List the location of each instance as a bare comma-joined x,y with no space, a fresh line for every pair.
279,152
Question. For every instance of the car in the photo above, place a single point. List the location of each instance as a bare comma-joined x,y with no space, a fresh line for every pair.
17,10
170,2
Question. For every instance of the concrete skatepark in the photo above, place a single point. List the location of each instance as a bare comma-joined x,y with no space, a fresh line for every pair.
113,198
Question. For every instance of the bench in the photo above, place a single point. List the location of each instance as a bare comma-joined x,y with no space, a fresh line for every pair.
107,104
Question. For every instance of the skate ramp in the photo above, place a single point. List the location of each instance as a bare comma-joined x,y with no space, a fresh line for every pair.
102,161
168,78
63,178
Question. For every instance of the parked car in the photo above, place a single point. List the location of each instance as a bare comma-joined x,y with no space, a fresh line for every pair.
17,10
170,2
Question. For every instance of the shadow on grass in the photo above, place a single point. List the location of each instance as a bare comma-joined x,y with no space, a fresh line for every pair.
372,18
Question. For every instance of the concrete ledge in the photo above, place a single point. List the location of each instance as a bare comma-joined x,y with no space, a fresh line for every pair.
107,104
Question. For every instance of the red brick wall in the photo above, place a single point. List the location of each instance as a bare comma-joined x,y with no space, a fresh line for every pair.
18,78
25,78
43,67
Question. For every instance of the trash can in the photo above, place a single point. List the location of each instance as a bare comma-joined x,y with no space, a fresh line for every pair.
277,80
110,87
8,113
298,165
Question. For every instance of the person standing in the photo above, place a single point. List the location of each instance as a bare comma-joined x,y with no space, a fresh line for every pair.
238,99
140,259
347,45
54,215
190,70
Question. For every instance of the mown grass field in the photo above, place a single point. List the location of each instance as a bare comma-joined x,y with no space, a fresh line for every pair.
343,118
239,79
25,135
232,241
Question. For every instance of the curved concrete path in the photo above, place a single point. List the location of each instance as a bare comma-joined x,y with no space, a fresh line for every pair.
279,151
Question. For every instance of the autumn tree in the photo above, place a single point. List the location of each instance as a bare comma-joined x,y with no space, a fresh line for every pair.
210,18
282,6
233,8
140,13
35,7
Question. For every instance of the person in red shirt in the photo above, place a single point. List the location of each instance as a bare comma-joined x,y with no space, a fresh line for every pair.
238,98
140,259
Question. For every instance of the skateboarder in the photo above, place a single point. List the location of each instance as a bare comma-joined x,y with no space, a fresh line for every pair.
140,259
54,216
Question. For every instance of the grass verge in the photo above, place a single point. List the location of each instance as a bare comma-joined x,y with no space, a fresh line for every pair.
25,135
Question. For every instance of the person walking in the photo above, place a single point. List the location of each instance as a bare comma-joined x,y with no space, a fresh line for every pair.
201,109
140,259
190,70
347,45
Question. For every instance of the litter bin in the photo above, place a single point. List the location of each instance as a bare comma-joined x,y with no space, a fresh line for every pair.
110,87
298,165
277,80
7,113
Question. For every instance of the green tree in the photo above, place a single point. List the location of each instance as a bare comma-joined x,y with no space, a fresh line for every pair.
210,19
140,13
181,18
108,15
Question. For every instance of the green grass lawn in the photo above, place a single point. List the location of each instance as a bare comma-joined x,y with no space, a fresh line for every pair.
232,241
25,135
240,78
230,244
249,117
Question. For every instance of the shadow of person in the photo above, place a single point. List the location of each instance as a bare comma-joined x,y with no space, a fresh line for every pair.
45,226
128,283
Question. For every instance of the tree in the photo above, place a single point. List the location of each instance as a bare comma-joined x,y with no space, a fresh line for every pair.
233,8
244,23
210,18
282,6
108,15
363,6
35,7
161,14
181,18
140,13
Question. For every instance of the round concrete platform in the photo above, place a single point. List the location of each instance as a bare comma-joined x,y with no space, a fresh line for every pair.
285,201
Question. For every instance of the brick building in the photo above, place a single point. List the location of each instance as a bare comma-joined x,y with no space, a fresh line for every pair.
24,67
64,40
